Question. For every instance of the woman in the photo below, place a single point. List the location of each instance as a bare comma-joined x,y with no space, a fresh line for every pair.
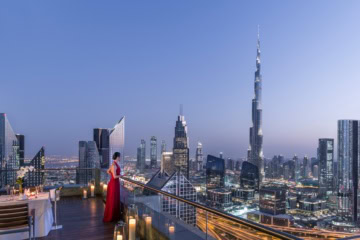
112,208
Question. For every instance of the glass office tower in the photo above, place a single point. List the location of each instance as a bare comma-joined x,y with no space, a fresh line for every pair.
9,152
141,156
167,163
163,146
326,162
36,177
109,141
348,169
101,137
249,177
153,152
21,141
180,186
89,158
215,172
117,140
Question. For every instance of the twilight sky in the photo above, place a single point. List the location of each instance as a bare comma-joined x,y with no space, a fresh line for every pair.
69,66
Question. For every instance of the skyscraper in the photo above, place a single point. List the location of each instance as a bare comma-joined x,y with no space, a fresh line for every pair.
101,137
276,167
109,141
163,146
326,162
21,141
180,186
289,170
9,152
305,170
36,177
181,149
167,163
215,172
348,172
153,152
117,140
249,177
89,157
255,153
141,156
297,168
199,157
272,200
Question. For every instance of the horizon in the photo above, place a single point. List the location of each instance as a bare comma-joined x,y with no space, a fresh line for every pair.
69,67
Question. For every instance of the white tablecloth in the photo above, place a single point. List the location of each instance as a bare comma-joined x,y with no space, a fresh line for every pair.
43,215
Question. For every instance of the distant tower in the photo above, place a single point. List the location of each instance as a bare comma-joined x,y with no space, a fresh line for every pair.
199,157
215,172
89,157
153,152
181,143
326,162
110,140
167,163
306,167
297,168
141,156
221,155
163,146
21,141
9,149
348,169
255,152
36,177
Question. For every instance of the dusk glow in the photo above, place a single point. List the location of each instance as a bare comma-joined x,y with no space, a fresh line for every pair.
70,66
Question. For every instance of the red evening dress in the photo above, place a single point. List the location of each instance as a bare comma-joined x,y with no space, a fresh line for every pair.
112,208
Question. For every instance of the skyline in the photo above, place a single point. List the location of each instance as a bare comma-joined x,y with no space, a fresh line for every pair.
64,85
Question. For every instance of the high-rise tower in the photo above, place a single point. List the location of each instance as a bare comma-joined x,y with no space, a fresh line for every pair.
199,157
255,154
181,149
163,146
141,156
110,140
36,177
153,152
9,152
326,163
348,169
89,158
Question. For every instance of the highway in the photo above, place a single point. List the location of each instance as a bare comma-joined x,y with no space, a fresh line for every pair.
222,229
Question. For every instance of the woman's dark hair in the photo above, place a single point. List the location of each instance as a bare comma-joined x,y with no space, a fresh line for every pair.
116,155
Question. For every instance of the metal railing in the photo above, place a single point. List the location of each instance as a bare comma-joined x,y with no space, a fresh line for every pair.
69,179
221,214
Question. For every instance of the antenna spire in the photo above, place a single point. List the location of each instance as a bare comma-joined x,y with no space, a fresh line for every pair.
181,109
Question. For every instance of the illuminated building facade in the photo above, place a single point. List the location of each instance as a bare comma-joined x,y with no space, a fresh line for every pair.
9,152
326,163
36,177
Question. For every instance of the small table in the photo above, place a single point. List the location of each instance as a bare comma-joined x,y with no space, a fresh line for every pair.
43,215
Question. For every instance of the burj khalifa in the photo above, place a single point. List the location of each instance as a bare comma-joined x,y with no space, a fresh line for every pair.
255,152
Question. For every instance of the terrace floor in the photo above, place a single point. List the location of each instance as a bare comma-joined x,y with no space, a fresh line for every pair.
81,219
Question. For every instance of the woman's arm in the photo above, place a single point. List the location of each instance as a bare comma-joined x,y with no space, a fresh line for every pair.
113,170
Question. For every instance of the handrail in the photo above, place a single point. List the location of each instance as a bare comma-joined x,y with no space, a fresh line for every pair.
51,169
352,237
223,214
